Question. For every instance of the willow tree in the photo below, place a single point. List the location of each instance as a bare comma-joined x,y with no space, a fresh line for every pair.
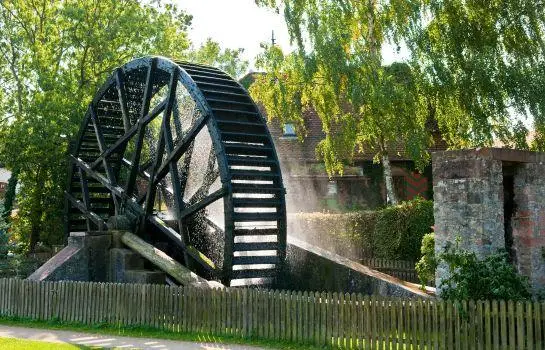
476,68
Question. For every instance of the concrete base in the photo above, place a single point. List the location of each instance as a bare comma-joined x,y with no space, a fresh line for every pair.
93,256
85,258
128,267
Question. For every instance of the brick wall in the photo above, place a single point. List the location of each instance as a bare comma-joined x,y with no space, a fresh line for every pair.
529,223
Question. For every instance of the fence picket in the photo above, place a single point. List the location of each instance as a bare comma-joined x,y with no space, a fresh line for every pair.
495,325
520,325
529,327
512,322
323,319
503,325
537,325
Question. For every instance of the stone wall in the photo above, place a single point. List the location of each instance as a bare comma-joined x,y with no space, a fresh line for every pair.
489,199
468,203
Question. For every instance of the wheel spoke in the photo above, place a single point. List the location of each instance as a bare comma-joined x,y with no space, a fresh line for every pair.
210,176
188,153
195,207
116,190
102,147
120,85
84,194
164,139
182,147
146,99
123,140
85,211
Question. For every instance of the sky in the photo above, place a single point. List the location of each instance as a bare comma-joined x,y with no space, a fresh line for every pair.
242,24
235,24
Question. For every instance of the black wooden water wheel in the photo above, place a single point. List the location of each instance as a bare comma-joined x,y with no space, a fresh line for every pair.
182,151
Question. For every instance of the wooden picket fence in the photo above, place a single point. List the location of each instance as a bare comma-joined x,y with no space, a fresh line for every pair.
323,319
402,269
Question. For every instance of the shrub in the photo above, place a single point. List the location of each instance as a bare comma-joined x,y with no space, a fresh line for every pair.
491,278
393,233
425,267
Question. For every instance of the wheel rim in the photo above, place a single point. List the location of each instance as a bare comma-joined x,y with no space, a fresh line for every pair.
183,150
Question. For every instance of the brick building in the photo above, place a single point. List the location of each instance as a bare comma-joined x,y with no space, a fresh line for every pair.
361,187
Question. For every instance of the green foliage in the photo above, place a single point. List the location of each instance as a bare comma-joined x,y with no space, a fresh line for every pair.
393,233
469,278
473,62
400,229
53,57
425,267
229,60
473,65
4,233
491,278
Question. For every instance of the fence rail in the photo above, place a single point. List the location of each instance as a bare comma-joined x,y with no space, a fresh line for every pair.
324,319
402,269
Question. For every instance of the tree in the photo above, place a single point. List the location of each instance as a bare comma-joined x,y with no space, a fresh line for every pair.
229,60
53,56
472,64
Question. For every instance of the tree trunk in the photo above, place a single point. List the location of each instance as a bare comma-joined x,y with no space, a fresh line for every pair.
9,197
388,179
35,229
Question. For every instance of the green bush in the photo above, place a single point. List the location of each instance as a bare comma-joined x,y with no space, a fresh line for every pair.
491,278
469,278
425,267
393,233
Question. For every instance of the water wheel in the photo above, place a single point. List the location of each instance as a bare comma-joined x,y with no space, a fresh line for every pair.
182,151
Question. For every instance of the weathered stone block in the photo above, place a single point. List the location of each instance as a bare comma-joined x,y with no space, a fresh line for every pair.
468,203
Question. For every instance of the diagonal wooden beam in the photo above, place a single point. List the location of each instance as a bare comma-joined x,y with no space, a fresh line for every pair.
214,196
146,100
85,194
123,140
196,255
121,93
88,213
114,189
210,176
179,150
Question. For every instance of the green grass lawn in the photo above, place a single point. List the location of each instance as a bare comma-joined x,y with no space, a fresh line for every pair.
22,344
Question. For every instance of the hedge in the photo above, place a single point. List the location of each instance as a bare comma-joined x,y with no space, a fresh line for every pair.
393,233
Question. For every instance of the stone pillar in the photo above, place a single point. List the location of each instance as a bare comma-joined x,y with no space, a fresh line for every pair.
468,203
529,223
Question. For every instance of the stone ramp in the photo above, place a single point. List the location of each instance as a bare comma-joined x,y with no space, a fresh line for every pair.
313,268
57,265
